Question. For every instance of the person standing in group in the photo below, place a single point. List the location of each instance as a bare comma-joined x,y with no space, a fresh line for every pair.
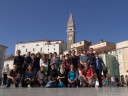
49,62
5,72
67,62
19,62
126,79
74,59
70,53
92,58
44,62
34,64
122,80
55,60
62,58
84,59
99,68
37,62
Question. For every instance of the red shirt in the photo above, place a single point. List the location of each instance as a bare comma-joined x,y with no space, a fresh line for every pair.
90,72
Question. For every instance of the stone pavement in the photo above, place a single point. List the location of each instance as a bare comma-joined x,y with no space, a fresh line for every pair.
105,91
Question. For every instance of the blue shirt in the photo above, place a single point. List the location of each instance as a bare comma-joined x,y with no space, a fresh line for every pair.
72,75
29,74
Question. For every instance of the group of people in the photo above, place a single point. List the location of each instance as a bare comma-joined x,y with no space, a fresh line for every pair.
52,70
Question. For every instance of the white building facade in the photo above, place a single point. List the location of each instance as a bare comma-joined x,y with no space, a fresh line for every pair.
122,51
41,46
2,55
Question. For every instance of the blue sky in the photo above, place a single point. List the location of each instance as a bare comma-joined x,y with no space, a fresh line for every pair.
26,20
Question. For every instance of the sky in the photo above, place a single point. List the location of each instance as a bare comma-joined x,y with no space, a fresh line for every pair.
28,20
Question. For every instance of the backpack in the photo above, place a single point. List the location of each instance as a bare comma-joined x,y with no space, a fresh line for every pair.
61,85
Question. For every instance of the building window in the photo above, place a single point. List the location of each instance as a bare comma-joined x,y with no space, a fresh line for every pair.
37,44
26,50
23,46
48,49
33,49
54,48
54,45
119,52
40,49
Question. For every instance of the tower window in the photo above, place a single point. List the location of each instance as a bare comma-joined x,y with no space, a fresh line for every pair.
54,48
33,49
37,44
48,49
26,50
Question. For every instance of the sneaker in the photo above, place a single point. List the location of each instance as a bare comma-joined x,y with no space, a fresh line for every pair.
100,86
16,85
7,86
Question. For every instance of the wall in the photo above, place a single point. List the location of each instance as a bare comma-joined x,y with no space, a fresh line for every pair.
122,51
112,64
2,54
41,46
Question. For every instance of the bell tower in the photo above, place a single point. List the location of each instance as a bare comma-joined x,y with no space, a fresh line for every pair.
70,32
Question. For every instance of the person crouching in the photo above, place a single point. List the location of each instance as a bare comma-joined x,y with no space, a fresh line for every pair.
13,77
87,76
29,77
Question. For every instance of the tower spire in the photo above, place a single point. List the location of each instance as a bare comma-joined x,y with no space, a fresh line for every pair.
71,21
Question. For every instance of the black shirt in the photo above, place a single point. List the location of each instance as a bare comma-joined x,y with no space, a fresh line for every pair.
19,60
14,74
65,74
74,61
92,58
53,73
28,60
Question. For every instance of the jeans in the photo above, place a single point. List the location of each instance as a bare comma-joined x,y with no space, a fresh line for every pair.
9,82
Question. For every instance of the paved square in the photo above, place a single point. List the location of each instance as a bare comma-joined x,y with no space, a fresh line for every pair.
106,91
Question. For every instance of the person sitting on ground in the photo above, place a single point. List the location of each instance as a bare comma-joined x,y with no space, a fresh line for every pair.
62,76
53,73
72,77
13,77
87,76
41,77
29,77
52,82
